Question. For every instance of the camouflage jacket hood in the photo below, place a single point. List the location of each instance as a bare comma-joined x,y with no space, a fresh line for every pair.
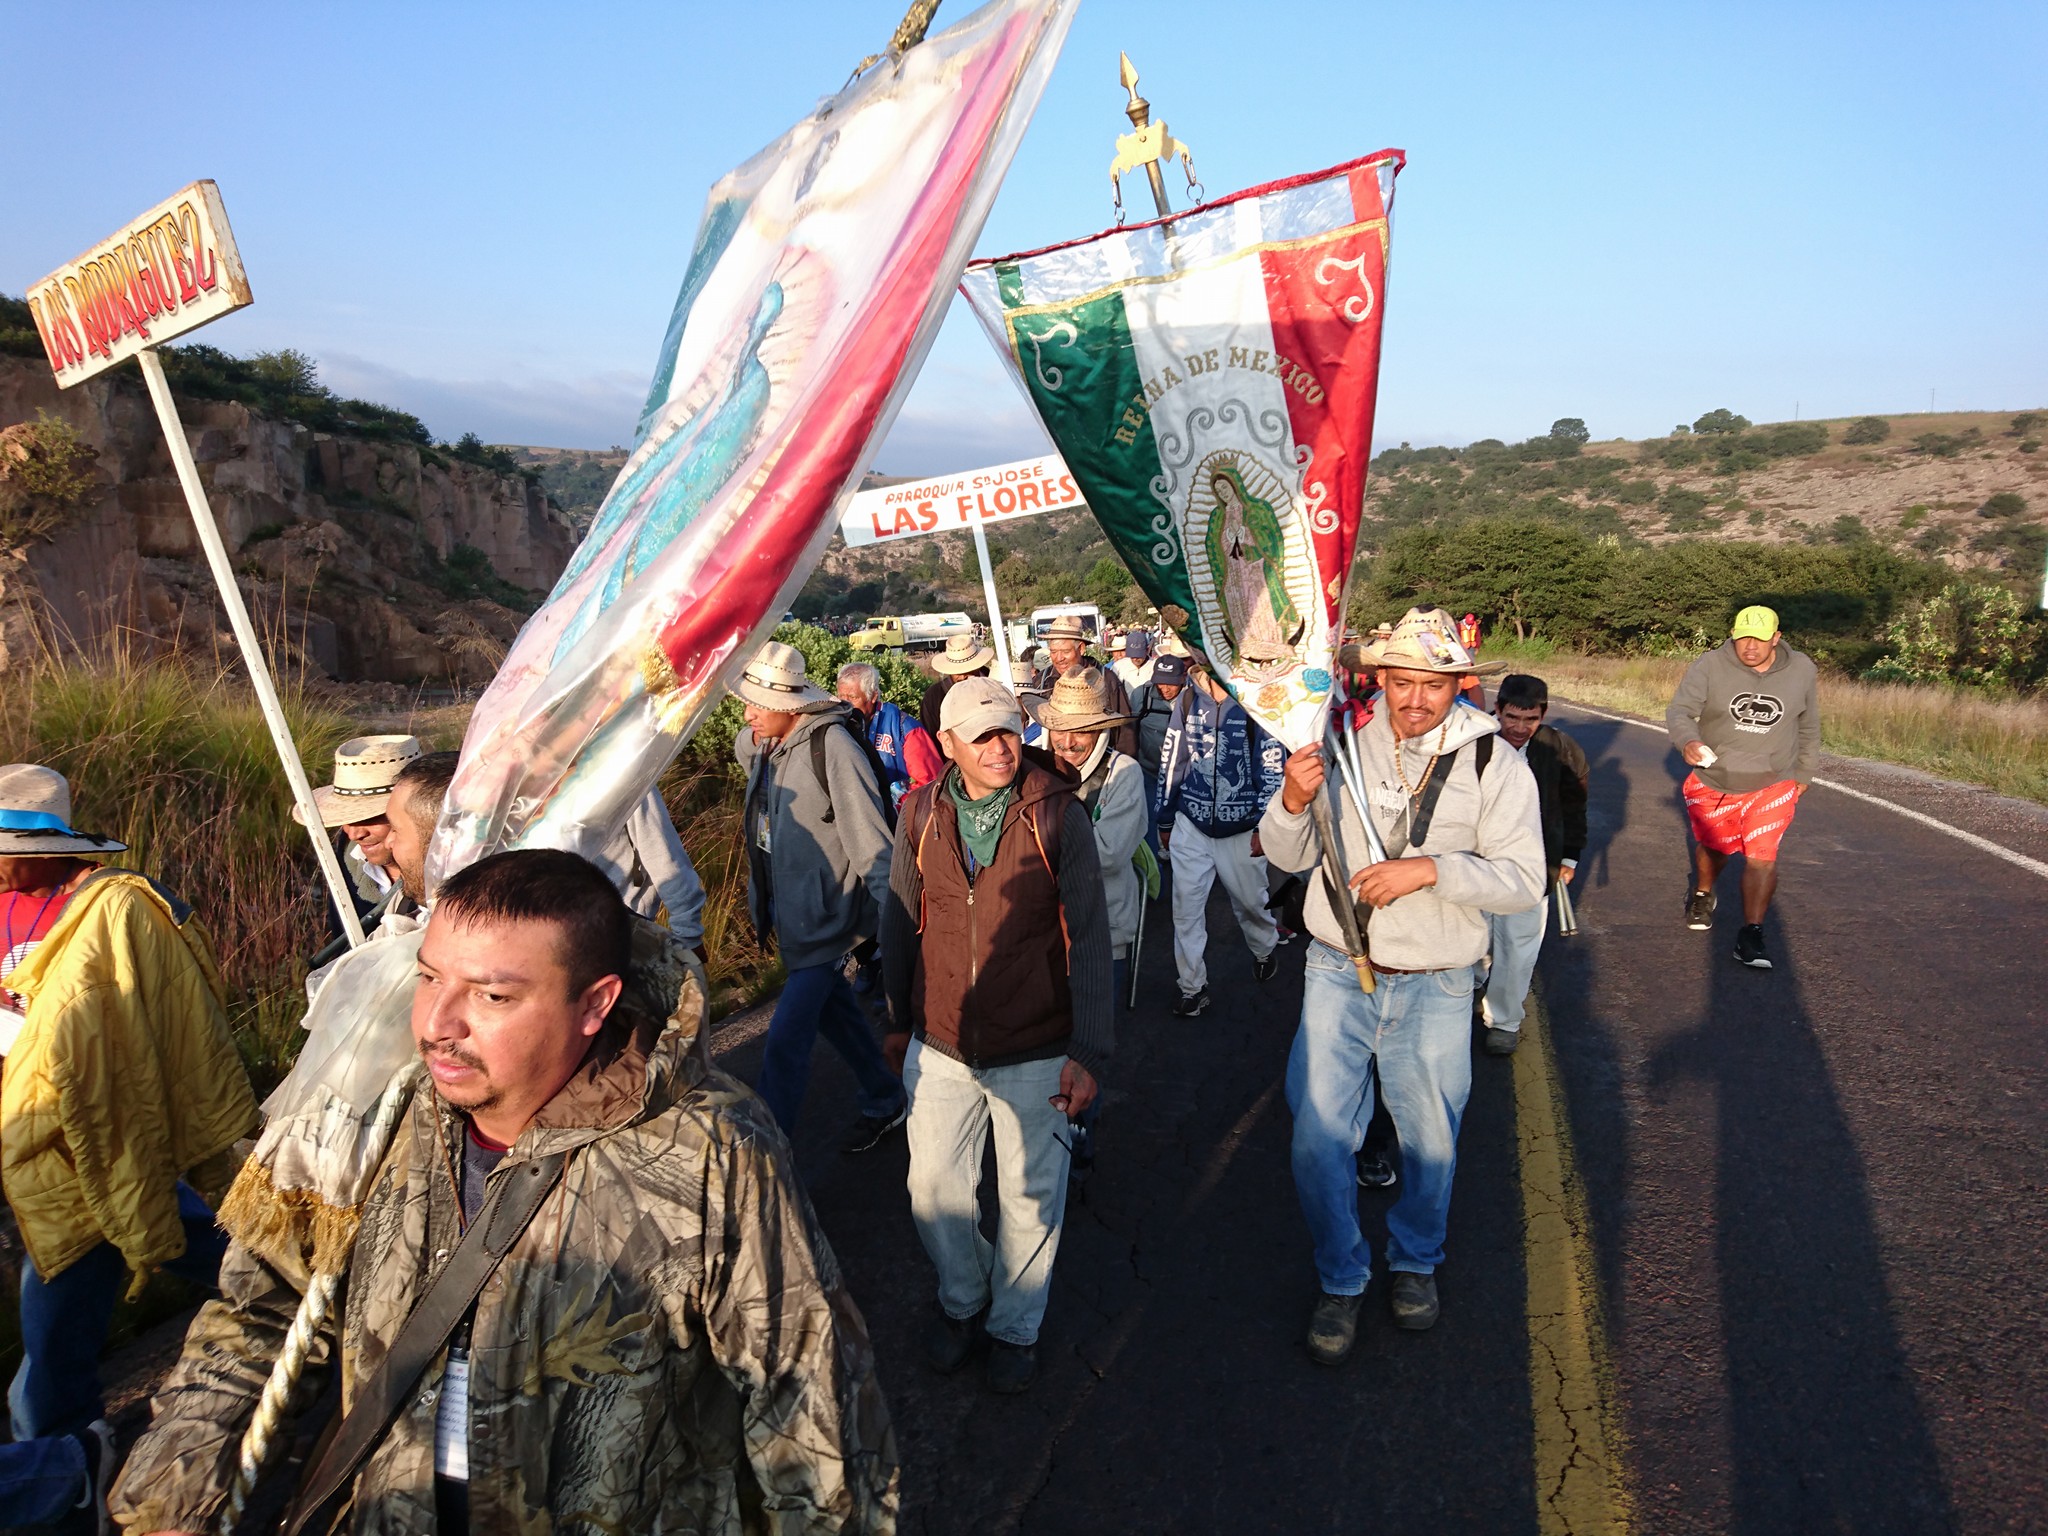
668,1347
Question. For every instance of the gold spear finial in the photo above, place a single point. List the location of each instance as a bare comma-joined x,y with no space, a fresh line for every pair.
1148,145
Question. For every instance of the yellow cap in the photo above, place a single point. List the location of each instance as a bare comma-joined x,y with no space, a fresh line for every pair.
1755,622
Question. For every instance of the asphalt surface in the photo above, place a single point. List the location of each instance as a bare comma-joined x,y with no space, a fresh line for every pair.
1817,1204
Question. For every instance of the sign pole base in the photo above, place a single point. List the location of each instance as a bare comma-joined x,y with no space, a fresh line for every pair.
245,637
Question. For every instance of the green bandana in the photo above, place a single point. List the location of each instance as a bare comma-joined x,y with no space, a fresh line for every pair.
981,821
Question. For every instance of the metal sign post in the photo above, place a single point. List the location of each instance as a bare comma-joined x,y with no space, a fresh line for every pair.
168,272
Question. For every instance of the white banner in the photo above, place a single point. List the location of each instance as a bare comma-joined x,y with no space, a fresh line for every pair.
168,272
956,502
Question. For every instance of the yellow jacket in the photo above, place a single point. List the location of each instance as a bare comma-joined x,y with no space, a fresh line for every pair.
123,1077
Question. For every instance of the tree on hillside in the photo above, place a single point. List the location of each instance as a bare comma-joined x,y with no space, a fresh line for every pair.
1570,429
1528,574
1721,420
1867,429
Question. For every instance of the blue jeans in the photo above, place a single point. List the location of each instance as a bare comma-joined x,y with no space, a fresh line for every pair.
1418,1030
817,1000
56,1391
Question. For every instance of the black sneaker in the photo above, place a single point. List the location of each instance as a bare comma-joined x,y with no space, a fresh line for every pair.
1413,1299
1749,947
868,1131
1333,1328
950,1342
1011,1367
1699,911
1374,1171
1263,967
1188,1004
1502,1042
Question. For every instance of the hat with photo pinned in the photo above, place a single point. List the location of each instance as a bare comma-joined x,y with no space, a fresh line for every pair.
1421,643
35,817
365,768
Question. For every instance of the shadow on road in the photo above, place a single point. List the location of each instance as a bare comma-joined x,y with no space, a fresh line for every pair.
1826,1430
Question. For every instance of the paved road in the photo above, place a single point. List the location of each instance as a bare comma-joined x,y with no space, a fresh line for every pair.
1818,1226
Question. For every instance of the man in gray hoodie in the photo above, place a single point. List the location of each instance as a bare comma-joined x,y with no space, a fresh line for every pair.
1747,718
1459,823
818,844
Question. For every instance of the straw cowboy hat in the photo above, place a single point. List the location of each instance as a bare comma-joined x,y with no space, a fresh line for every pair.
1076,703
963,654
1420,643
775,680
1065,628
365,768
35,816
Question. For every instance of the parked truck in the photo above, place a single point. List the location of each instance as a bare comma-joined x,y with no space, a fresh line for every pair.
911,632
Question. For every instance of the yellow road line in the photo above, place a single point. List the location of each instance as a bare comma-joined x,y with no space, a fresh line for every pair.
1581,1484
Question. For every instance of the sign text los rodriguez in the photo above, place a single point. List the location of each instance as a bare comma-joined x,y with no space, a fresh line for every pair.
951,503
168,272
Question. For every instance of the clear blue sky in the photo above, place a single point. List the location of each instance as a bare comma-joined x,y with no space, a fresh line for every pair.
1627,213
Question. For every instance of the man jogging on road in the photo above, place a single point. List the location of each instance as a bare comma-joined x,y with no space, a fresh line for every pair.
1457,817
1747,718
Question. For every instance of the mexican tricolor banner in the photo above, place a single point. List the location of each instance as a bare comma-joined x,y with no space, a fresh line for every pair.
1209,379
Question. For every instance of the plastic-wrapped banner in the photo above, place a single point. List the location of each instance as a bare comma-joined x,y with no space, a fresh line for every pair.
821,271
1209,379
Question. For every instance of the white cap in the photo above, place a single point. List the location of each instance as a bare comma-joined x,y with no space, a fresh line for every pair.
974,706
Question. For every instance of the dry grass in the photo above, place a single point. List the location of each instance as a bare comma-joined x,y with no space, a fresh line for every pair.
1999,743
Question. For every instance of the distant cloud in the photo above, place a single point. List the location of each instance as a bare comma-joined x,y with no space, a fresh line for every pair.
595,411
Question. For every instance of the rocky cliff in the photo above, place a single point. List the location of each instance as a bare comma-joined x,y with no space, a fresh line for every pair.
363,560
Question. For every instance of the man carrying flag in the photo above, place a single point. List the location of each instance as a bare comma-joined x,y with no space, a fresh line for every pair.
1459,823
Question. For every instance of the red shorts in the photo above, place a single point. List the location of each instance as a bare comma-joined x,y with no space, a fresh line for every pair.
1749,824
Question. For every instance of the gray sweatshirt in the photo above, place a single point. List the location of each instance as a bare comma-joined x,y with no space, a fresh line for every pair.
818,882
1764,728
1486,837
652,869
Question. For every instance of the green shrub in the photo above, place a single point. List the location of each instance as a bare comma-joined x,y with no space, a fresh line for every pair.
1721,421
46,474
2004,504
1945,445
1913,517
1636,493
1968,633
1847,529
1684,510
2025,423
2031,445
1867,429
284,384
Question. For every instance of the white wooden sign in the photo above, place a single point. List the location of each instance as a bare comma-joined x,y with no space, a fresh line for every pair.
171,270
953,503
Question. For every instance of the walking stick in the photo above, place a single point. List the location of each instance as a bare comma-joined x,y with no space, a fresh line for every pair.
260,1438
1137,944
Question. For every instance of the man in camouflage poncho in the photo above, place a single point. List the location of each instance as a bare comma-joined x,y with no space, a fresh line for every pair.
668,1346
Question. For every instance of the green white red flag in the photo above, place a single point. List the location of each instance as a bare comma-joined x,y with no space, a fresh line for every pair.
1210,379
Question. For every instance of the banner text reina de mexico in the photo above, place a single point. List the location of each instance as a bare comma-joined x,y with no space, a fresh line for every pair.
168,272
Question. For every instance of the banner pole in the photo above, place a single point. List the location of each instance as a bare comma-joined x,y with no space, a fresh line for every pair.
996,636
245,637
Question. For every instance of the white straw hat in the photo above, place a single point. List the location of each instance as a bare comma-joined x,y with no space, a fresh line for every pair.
1420,643
963,654
775,680
365,768
35,816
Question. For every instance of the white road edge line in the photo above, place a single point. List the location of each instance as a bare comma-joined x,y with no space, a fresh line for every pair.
1984,844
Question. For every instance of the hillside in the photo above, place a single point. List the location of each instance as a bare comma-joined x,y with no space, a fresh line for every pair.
365,551
1966,492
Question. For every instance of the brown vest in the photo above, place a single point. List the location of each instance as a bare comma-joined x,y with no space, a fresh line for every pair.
990,985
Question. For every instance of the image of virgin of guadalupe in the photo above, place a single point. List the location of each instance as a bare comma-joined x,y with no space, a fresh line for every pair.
1247,551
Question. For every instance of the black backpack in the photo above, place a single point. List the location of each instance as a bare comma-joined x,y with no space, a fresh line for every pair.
876,770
